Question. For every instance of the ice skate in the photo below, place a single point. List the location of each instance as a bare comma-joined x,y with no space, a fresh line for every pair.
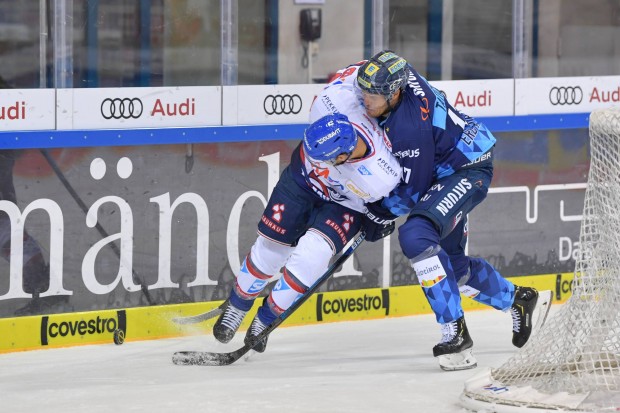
228,323
454,351
529,312
255,329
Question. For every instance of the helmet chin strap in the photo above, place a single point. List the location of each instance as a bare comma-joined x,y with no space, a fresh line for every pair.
389,109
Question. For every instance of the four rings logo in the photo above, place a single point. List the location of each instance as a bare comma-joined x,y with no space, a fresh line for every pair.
121,108
282,104
565,95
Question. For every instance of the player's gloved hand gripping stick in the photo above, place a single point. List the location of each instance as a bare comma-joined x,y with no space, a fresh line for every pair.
206,358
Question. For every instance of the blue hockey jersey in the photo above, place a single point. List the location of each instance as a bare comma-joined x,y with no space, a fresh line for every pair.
431,140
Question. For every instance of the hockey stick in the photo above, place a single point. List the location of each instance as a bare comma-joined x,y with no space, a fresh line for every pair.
84,208
198,318
206,358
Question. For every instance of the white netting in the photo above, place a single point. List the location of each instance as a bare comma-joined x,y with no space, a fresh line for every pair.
577,352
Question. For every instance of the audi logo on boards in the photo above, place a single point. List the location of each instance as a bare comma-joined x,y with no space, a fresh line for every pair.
121,108
282,104
565,95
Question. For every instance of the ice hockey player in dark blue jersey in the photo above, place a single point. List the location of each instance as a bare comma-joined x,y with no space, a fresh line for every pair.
447,161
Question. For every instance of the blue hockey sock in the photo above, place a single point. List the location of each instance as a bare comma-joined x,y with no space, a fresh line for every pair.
240,303
438,284
487,286
265,314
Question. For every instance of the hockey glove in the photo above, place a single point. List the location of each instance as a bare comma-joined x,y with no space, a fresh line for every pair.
374,231
379,214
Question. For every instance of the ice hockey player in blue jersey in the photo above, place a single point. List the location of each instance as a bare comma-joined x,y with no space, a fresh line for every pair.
316,208
447,162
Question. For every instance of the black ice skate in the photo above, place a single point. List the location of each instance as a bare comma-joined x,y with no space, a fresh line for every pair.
228,323
454,351
529,312
254,330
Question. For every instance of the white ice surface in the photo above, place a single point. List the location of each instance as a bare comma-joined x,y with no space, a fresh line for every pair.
364,366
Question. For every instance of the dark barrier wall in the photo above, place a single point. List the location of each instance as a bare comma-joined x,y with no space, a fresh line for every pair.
115,227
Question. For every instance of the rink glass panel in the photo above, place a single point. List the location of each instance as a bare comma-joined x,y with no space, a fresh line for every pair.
68,43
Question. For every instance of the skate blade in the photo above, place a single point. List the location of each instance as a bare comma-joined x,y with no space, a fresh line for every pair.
541,311
457,361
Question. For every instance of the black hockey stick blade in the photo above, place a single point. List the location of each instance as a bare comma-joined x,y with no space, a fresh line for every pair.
198,318
207,358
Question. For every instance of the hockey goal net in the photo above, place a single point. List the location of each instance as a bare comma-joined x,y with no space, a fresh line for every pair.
573,362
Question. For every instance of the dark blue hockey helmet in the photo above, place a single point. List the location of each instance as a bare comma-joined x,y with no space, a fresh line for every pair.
329,137
383,74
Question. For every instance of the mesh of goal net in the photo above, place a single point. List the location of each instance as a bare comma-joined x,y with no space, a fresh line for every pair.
573,362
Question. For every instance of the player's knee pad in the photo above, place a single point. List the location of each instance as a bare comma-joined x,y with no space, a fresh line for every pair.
416,236
307,263
263,262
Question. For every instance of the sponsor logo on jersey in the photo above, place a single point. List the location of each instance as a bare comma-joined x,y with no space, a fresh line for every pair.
409,153
363,170
385,166
364,303
454,196
353,188
329,104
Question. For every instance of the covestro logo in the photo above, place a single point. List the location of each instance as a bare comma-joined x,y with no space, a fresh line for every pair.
352,306
68,328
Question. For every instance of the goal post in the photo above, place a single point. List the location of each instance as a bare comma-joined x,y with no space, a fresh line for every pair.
573,362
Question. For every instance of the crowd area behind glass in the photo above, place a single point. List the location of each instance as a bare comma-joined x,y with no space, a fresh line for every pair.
128,43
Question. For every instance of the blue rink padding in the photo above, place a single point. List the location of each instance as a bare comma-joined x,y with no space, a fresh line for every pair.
241,133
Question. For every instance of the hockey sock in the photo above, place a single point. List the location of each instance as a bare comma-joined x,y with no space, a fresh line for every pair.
487,286
286,291
436,278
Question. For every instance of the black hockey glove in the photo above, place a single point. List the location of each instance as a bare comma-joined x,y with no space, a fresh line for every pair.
378,222
374,232
379,214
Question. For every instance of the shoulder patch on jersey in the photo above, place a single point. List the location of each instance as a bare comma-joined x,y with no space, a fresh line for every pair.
363,170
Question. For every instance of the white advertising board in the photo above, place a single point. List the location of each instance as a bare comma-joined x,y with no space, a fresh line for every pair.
27,109
553,95
146,107
479,98
268,104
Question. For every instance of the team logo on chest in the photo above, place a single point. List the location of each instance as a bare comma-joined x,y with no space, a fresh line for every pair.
277,212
